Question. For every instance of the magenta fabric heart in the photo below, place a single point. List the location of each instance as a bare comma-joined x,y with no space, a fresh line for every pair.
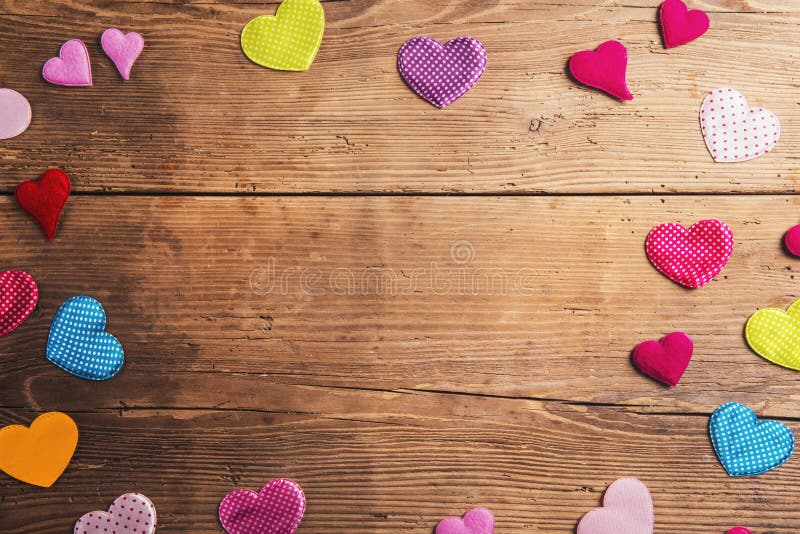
690,257
123,49
627,509
603,69
664,360
441,74
18,297
277,509
679,25
739,530
476,521
132,513
72,66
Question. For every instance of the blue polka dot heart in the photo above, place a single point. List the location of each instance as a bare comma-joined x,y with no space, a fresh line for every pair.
745,445
79,343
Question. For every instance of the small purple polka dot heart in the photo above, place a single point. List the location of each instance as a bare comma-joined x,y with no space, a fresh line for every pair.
132,513
277,509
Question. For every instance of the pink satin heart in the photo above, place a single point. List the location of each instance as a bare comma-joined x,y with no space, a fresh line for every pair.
603,69
132,513
627,509
664,360
277,509
18,297
476,521
739,530
123,49
15,113
72,66
679,25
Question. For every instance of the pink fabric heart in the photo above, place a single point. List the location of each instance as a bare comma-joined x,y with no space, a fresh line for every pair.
132,513
277,509
739,530
627,509
679,25
123,49
733,131
72,66
15,113
664,360
690,257
18,297
476,521
603,69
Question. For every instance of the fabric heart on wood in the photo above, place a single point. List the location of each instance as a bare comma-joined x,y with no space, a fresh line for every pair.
44,199
627,509
277,509
132,513
122,48
664,360
774,335
679,25
15,113
603,68
476,521
19,294
38,454
71,67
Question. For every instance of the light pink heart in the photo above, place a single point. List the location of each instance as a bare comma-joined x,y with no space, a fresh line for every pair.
122,48
132,513
476,521
627,509
733,131
277,509
15,113
72,66
18,297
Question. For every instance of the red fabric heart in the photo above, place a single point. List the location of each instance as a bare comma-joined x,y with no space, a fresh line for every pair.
679,25
603,69
690,257
666,360
43,199
18,297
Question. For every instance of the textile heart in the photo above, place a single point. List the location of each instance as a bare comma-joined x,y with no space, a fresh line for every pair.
132,513
123,49
690,257
679,25
476,521
40,453
792,240
44,199
18,297
289,40
735,132
666,360
277,509
441,74
627,509
746,446
79,344
72,66
739,530
774,335
15,113
603,68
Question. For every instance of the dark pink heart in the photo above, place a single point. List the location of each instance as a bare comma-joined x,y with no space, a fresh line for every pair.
666,360
603,69
690,257
476,521
18,297
679,25
441,74
739,530
792,240
277,509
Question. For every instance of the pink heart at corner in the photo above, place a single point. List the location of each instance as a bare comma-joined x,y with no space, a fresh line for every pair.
679,25
18,297
476,521
123,49
132,513
739,530
72,66
603,68
627,509
690,257
15,113
664,360
277,509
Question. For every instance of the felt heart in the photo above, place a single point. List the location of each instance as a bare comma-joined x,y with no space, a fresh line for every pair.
38,454
43,199
123,49
739,530
72,66
746,446
627,509
792,240
132,513
679,25
735,132
79,344
666,360
289,40
441,74
603,69
277,509
476,521
15,113
18,297
774,335
690,257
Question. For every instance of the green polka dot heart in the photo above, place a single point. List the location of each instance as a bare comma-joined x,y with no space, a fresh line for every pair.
289,40
78,341
774,335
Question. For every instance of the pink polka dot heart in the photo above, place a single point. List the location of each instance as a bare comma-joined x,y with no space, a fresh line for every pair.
690,257
18,297
132,513
735,132
277,509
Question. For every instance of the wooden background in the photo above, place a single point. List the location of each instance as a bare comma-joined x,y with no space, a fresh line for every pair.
263,244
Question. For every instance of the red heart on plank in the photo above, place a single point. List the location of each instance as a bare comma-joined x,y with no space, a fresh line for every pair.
603,69
43,199
18,297
665,361
679,25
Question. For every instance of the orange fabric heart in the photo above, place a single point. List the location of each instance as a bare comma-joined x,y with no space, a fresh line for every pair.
38,454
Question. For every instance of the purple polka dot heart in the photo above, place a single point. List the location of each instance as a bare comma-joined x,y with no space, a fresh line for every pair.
18,297
277,509
441,74
132,513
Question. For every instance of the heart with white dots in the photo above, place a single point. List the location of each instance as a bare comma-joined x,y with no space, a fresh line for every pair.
733,131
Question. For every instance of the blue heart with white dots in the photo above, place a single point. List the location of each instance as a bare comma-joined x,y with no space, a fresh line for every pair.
745,445
78,341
